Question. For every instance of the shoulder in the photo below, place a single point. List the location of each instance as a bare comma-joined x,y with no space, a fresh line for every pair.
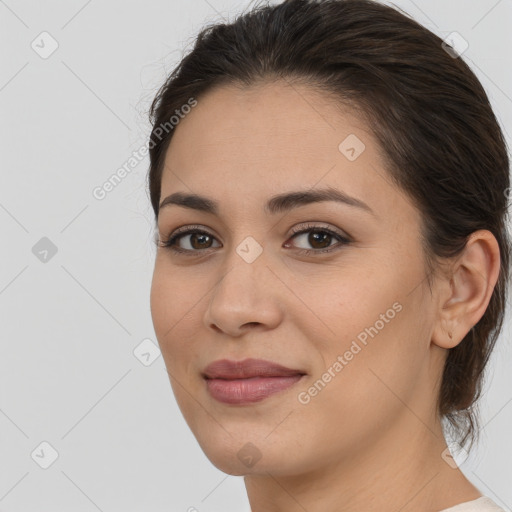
482,504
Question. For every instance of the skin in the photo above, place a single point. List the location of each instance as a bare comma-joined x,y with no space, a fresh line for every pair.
371,438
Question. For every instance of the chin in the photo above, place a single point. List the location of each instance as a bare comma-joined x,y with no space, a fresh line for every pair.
247,460
238,442
248,451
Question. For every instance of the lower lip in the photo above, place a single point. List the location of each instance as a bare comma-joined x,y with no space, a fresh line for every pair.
245,391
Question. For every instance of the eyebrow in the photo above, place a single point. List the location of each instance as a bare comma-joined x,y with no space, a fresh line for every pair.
276,204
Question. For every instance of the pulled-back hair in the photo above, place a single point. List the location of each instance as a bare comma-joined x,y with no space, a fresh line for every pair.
438,136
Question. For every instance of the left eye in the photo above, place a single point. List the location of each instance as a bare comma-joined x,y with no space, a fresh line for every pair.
320,239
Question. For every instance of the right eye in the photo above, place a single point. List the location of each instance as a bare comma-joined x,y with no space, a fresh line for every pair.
198,240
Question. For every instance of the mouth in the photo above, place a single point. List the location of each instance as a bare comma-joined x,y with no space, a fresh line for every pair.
248,381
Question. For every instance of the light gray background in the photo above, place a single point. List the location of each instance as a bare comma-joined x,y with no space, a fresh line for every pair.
70,325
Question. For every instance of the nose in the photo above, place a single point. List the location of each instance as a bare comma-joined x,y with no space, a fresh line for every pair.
246,296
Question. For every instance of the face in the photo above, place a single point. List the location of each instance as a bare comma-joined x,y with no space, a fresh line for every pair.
333,289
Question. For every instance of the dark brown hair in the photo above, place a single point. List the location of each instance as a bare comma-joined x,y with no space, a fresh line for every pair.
439,137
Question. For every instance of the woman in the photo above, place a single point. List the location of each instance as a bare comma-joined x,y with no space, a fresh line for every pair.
329,185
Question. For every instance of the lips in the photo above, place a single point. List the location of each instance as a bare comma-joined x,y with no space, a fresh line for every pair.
226,369
248,381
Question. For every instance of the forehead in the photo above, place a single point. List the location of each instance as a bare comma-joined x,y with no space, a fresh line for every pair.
272,138
283,119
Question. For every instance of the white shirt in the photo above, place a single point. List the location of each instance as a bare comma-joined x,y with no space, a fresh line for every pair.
482,504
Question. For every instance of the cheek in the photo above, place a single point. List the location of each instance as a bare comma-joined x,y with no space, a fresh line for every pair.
168,314
378,329
351,307
175,310
170,300
159,297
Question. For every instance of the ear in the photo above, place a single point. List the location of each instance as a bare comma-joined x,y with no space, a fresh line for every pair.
467,289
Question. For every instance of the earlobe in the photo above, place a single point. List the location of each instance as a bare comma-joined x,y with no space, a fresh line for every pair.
446,335
471,284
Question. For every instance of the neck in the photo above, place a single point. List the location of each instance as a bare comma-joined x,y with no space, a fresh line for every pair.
403,472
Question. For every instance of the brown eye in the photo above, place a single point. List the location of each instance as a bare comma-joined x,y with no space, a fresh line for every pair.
199,240
319,239
194,241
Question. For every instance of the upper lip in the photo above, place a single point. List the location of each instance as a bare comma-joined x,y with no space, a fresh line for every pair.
247,368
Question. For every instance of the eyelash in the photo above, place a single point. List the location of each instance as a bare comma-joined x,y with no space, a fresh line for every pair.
297,230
